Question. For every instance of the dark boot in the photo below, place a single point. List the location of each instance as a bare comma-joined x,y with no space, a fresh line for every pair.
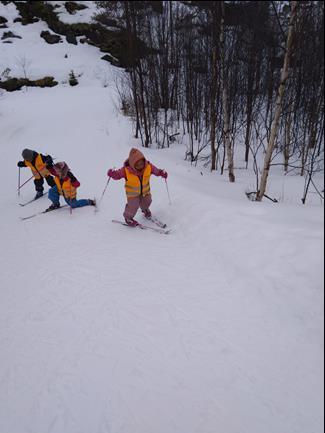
38,194
53,207
147,213
131,222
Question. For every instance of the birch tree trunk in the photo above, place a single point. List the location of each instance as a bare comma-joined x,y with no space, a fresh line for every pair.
213,114
287,141
225,99
278,105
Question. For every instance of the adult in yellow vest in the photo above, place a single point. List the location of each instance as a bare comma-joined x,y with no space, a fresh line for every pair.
137,172
66,185
40,165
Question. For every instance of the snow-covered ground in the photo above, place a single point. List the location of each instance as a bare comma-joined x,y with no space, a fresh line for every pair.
83,15
216,328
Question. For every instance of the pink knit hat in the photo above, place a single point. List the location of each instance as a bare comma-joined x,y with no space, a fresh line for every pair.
61,169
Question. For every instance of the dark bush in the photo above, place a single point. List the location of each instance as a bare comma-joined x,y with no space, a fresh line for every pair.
72,79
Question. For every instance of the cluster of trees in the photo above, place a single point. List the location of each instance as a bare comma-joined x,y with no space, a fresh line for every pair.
227,73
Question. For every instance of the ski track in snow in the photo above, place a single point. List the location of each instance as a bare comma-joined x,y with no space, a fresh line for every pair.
187,333
216,328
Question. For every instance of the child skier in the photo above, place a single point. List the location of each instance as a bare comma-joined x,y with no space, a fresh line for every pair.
66,184
136,172
40,166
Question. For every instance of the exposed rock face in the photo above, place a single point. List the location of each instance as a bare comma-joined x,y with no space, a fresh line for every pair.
7,35
13,84
110,59
71,38
50,38
73,7
113,42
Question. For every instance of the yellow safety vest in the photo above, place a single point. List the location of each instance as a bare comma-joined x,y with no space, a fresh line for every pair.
134,187
39,170
66,189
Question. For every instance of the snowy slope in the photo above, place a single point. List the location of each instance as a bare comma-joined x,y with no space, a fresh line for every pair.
216,328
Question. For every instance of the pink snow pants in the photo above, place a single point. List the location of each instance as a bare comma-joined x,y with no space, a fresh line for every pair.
134,204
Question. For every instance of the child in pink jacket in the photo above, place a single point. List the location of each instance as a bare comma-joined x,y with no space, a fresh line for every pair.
136,172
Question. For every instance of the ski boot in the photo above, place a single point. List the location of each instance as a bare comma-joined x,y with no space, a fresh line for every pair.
131,222
147,213
53,207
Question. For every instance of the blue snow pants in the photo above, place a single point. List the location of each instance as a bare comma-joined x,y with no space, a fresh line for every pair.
54,196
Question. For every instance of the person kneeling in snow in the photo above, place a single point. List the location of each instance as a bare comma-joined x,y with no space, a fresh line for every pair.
136,172
66,184
40,166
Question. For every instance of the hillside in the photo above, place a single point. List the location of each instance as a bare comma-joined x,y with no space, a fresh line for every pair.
217,327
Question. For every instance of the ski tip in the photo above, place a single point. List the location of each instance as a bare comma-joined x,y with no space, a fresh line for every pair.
26,218
145,227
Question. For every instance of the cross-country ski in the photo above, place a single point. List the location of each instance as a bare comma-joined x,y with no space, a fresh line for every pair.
156,221
144,227
33,200
42,212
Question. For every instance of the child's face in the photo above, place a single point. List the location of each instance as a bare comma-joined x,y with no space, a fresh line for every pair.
139,165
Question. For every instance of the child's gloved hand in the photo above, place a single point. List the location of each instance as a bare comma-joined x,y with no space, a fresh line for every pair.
21,164
110,172
163,174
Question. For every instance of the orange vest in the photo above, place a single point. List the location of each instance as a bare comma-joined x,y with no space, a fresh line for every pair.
66,189
134,187
39,170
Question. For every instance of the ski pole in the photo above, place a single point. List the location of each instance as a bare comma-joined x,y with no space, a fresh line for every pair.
104,190
18,181
70,200
170,202
25,183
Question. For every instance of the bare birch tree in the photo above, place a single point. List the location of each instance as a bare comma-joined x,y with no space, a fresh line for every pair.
225,98
278,108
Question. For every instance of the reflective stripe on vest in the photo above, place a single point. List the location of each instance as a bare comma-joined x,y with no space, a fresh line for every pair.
39,169
66,189
134,187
